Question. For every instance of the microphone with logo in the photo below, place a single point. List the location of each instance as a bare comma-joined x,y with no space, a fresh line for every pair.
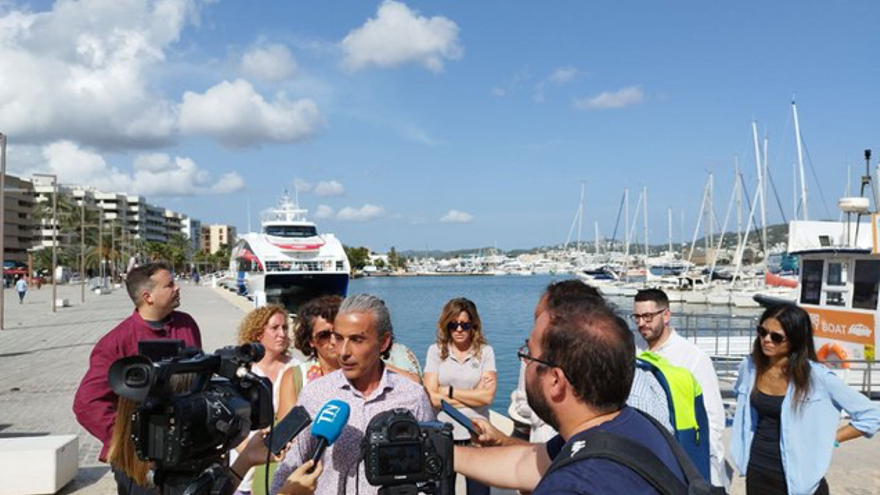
328,425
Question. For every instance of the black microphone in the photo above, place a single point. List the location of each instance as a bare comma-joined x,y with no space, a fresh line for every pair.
328,425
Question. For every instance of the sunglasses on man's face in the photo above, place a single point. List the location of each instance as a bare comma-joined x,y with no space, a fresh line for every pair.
464,325
776,338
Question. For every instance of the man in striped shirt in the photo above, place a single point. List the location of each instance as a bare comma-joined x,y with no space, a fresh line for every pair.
363,335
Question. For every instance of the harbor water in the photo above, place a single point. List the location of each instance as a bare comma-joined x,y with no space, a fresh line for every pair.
506,305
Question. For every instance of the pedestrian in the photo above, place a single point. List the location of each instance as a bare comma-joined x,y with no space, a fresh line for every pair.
788,405
21,287
460,369
155,295
652,317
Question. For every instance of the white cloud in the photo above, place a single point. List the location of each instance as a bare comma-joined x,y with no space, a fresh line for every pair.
329,188
324,212
362,214
399,35
155,174
456,216
563,75
236,115
624,97
271,63
82,71
303,186
560,76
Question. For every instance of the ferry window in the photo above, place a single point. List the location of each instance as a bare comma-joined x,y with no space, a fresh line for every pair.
837,273
811,282
866,283
291,231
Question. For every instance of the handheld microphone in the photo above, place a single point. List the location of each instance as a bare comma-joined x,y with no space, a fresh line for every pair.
328,425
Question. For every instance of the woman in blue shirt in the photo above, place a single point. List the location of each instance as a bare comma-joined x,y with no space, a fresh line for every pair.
788,407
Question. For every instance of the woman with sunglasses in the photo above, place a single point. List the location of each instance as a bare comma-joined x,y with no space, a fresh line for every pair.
460,369
313,336
788,405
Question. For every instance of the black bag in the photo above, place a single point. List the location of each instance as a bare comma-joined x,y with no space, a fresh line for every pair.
635,456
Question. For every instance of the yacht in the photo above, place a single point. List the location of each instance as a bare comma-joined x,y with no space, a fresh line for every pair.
288,262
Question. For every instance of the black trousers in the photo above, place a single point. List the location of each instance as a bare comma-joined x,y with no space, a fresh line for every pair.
760,483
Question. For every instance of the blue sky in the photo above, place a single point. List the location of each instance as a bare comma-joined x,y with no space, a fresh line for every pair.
438,124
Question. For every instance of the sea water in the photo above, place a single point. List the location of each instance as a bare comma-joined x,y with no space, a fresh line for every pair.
506,305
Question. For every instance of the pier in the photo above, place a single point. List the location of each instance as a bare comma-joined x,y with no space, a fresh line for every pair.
44,355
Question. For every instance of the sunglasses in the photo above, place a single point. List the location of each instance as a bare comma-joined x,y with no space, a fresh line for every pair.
323,336
464,325
776,338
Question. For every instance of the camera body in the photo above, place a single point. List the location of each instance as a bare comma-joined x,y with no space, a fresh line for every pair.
194,406
401,452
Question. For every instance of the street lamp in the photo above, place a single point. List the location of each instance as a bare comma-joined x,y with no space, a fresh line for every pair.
54,233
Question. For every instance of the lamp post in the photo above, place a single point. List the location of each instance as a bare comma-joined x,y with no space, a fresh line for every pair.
82,249
54,234
2,222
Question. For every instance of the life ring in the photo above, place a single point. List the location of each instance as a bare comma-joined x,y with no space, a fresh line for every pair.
835,349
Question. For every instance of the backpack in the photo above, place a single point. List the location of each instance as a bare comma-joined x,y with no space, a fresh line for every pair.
687,412
635,456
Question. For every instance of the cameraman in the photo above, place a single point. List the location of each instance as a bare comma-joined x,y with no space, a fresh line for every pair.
580,362
364,335
152,289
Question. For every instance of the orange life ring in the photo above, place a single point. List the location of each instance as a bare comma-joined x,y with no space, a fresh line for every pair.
835,349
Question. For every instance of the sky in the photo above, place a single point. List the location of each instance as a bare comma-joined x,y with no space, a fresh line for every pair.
442,125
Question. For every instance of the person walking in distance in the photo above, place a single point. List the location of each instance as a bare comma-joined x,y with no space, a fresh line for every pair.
21,287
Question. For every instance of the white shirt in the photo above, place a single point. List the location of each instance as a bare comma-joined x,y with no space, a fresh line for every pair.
684,353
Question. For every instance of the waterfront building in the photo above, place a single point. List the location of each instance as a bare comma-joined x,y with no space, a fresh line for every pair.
18,231
215,236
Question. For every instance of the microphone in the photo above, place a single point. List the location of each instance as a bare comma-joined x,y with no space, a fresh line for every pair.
328,425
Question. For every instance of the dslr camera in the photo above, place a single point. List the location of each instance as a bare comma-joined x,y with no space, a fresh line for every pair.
405,457
194,407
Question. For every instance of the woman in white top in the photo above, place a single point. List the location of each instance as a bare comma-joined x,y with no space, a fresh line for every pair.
460,369
268,326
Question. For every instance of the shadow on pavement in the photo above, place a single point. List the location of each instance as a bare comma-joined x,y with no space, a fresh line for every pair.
44,349
86,477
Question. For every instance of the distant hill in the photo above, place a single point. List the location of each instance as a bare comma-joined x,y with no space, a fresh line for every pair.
775,234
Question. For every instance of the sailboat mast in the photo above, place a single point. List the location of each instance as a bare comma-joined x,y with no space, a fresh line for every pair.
596,225
739,207
645,220
800,155
669,219
764,180
581,220
626,224
760,189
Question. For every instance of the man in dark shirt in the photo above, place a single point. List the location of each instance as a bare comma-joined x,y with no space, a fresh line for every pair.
580,362
155,295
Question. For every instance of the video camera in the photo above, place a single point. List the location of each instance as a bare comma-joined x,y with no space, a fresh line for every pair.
187,431
406,457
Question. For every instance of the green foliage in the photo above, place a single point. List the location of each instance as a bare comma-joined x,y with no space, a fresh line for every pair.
358,257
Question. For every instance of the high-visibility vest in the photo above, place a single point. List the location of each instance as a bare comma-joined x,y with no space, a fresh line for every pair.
687,413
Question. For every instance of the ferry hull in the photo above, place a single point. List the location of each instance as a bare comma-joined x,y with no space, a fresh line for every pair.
291,290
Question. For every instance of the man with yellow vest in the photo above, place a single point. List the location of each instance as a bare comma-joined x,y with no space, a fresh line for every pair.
652,317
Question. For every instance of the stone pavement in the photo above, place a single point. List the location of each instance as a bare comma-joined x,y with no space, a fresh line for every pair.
44,355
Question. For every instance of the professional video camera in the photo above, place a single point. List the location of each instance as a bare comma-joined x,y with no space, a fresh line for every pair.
406,457
187,433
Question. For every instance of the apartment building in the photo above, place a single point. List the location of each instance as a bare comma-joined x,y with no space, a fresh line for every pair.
215,236
18,226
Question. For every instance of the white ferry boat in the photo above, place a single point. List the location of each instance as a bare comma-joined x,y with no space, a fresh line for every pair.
289,262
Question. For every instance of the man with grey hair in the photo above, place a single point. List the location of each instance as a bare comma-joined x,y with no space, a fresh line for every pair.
363,334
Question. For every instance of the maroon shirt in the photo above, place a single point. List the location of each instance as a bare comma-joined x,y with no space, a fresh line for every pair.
95,404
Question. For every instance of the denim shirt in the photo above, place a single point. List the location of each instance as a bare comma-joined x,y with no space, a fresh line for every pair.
807,435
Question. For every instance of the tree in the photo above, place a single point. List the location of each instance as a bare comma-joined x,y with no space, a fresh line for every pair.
380,263
396,261
358,257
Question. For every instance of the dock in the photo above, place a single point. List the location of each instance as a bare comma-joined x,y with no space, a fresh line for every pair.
44,355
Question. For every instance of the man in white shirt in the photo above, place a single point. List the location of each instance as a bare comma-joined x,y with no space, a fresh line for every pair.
652,317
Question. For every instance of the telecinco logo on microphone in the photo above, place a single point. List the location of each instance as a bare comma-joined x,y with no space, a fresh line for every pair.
327,414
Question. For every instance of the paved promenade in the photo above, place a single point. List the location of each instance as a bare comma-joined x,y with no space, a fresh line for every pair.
44,355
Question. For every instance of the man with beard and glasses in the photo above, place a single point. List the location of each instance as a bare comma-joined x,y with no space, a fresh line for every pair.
155,295
580,364
652,318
